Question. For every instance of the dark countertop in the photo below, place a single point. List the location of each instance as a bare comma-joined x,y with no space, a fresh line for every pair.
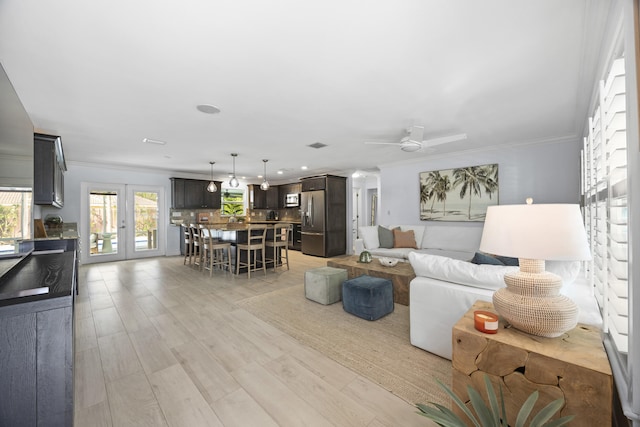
38,277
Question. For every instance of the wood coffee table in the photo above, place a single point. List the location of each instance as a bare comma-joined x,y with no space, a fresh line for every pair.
400,275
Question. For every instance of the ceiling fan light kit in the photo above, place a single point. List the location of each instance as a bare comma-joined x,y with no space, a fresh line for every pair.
414,142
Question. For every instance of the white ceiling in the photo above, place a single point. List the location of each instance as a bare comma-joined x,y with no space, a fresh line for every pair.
288,73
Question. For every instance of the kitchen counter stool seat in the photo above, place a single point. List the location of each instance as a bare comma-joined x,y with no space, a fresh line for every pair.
256,236
278,247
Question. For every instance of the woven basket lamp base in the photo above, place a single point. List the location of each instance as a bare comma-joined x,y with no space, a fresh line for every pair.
532,303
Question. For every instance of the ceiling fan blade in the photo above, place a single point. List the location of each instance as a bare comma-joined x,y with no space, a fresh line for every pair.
381,143
444,139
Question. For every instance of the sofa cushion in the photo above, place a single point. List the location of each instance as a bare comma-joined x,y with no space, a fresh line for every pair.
385,237
369,234
404,239
456,271
454,237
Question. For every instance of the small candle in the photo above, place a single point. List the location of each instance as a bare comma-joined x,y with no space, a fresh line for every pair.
485,321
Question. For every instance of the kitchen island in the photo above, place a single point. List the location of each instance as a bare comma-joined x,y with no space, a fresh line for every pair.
37,290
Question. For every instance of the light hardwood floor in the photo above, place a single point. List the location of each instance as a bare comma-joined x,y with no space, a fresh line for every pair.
161,344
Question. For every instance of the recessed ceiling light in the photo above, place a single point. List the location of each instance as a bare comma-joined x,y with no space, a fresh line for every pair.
304,168
153,141
208,109
280,172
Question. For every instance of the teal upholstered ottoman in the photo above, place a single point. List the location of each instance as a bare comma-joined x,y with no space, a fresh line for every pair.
324,284
367,297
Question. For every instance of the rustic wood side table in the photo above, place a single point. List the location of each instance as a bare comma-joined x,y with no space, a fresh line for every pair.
573,366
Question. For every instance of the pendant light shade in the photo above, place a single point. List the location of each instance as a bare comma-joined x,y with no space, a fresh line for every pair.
265,185
233,182
212,187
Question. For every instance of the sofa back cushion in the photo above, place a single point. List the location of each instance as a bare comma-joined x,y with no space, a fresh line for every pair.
452,237
369,234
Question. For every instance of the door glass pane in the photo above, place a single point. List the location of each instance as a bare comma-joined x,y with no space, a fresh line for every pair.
103,222
146,219
232,202
15,217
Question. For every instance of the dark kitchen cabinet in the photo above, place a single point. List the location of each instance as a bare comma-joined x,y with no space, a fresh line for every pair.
48,170
193,194
265,199
312,184
36,331
285,189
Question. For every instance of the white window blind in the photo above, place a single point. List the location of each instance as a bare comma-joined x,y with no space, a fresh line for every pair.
604,181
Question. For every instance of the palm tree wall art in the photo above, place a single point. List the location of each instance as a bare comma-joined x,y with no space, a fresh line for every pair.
460,194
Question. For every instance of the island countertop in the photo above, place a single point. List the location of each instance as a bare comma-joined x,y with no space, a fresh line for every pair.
38,277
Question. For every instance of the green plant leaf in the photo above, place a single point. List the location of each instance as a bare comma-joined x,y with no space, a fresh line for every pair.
482,410
460,403
493,400
547,412
560,421
441,416
526,408
503,411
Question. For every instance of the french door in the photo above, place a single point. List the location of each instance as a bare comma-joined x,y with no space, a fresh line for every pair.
121,222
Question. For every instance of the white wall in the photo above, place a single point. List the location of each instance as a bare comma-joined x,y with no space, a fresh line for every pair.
549,172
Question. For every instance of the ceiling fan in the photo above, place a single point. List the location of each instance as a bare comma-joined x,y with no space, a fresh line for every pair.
414,142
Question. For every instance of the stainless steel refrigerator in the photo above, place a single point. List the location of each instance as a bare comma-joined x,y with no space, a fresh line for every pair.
313,222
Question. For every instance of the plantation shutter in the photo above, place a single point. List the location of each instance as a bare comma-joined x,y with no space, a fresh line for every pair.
604,182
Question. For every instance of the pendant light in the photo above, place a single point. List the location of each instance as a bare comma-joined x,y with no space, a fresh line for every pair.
233,182
265,185
212,187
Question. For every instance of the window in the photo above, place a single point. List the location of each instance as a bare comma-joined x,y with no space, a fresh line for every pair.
604,189
15,217
232,202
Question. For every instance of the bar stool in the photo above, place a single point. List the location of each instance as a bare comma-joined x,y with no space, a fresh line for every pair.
214,252
188,245
197,245
279,246
255,243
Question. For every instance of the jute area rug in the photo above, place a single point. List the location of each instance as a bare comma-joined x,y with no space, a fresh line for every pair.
378,350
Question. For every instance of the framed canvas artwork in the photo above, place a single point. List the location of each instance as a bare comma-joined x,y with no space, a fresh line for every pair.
460,194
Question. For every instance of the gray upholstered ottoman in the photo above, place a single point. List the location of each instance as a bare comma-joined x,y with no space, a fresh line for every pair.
367,297
324,284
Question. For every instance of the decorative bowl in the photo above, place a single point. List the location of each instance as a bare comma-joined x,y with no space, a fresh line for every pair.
388,262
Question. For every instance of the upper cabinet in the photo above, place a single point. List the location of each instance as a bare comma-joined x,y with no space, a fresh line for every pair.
48,170
265,199
193,194
285,189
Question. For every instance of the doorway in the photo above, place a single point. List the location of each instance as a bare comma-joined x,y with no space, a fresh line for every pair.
121,222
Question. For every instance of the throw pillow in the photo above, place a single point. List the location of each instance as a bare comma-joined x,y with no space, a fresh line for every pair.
385,236
482,258
404,239
506,260
369,234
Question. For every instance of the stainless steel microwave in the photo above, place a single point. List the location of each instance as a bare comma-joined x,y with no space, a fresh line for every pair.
292,200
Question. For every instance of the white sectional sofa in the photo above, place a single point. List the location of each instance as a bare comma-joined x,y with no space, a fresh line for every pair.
447,284
454,241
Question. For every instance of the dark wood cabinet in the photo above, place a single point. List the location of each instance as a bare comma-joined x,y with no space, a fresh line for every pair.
48,170
312,184
285,189
36,379
265,199
193,194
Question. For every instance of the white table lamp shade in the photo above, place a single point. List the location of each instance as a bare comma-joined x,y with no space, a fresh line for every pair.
543,232
534,234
